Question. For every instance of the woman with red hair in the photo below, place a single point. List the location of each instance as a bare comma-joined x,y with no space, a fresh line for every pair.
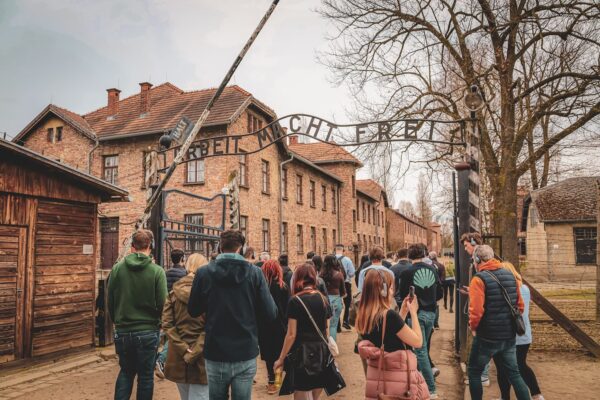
307,308
271,334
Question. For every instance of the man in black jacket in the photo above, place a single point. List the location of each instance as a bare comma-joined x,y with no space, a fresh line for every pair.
177,270
234,295
402,265
425,279
287,271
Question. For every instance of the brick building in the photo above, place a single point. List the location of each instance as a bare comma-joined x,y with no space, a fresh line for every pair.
294,197
404,231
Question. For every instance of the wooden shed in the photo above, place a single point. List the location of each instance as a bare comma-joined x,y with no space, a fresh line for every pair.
48,253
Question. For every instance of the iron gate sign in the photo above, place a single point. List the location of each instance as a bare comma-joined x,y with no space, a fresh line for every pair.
394,130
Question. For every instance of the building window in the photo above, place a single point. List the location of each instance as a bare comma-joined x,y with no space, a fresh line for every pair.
324,240
334,237
585,245
299,189
194,244
111,169
266,234
194,171
299,239
284,183
312,194
369,213
353,220
313,238
55,134
324,197
382,219
353,186
243,169
254,123
284,237
364,212
244,226
333,200
357,210
266,177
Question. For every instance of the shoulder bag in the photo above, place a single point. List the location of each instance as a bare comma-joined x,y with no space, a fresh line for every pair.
517,318
331,344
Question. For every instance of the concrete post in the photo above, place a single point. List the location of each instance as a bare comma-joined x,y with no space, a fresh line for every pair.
464,260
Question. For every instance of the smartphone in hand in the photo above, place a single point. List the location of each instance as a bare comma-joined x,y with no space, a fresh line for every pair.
411,293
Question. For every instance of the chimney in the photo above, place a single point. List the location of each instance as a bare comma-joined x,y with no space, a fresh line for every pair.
293,139
145,97
113,102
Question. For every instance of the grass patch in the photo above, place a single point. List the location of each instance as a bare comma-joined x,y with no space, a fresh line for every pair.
570,294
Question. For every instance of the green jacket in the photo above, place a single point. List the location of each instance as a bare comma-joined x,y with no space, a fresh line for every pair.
137,289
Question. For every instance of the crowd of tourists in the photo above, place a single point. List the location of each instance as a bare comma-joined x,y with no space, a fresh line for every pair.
215,317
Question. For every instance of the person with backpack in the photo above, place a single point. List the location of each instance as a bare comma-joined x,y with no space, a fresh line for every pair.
234,295
271,334
494,298
392,368
308,316
425,280
185,362
137,289
349,272
523,343
334,280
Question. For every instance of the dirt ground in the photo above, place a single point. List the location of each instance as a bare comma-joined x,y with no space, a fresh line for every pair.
572,375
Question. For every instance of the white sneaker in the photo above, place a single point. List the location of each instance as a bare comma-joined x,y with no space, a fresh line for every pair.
485,381
436,371
433,396
538,397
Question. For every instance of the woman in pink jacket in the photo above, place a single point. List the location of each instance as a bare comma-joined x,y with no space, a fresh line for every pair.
392,367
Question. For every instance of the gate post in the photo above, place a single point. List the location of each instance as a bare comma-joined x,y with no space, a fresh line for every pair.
463,171
155,225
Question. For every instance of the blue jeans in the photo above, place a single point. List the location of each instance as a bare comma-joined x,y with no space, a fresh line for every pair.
162,355
137,356
426,319
336,307
504,354
238,375
189,391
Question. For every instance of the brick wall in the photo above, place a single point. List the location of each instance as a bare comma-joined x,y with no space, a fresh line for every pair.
72,149
367,225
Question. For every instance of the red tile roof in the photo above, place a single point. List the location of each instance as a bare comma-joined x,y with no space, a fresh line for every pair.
73,119
372,189
323,153
168,104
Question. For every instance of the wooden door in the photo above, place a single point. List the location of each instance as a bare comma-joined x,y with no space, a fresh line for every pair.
12,267
109,242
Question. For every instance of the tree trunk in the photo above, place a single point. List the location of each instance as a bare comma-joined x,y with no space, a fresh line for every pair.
504,215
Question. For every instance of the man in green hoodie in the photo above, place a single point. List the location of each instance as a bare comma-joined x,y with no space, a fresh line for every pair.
137,289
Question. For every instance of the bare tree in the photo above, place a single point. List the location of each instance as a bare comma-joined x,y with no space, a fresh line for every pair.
407,208
424,205
537,64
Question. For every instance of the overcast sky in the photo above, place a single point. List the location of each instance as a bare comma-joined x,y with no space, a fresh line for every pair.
68,52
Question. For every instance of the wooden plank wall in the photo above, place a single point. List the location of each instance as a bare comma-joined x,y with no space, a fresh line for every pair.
64,277
21,211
